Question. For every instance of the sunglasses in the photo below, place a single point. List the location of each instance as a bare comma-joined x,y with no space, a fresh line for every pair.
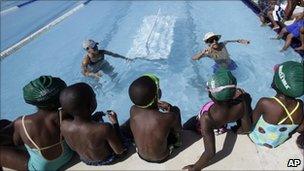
94,48
211,39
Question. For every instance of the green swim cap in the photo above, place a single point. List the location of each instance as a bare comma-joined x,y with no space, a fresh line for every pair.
289,79
222,85
43,91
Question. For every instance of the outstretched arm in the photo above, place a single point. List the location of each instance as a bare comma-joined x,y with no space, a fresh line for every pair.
209,144
115,55
242,41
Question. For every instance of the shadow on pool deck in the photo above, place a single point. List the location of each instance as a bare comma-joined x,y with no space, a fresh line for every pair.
228,146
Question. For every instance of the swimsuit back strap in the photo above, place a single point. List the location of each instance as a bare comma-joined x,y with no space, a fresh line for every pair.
44,148
287,112
36,146
289,115
27,135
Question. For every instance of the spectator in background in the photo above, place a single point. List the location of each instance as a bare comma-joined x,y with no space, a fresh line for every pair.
266,7
293,8
294,30
287,11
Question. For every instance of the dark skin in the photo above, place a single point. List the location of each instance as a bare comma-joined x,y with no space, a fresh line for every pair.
151,127
43,127
291,5
273,112
290,36
219,115
101,139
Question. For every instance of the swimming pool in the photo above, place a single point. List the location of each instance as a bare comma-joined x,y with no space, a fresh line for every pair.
126,28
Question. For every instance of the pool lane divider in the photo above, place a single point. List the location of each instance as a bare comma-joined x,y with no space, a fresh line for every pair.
254,7
47,27
16,7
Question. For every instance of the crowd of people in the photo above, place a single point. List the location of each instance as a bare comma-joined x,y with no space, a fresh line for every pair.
66,122
286,17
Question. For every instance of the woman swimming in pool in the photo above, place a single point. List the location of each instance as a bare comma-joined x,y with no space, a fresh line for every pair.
94,60
218,52
276,118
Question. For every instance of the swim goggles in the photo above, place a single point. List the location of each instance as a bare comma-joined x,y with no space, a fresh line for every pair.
95,48
219,89
156,81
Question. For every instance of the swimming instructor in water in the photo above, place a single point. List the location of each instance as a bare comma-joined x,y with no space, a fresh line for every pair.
94,60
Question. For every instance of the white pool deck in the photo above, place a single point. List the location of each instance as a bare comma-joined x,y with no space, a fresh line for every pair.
235,153
239,153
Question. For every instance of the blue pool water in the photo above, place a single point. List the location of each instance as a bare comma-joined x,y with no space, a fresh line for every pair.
128,28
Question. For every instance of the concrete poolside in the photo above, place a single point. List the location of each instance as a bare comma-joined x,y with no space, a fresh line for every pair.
239,154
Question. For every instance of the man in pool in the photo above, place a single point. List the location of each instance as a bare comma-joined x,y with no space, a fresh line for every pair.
97,143
155,132
218,52
94,60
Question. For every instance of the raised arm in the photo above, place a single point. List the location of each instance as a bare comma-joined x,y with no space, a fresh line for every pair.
209,144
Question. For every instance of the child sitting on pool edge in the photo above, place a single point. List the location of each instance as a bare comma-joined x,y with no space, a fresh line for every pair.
229,104
217,51
275,118
102,144
155,132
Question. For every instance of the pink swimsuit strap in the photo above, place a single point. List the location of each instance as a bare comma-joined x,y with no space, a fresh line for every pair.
205,108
